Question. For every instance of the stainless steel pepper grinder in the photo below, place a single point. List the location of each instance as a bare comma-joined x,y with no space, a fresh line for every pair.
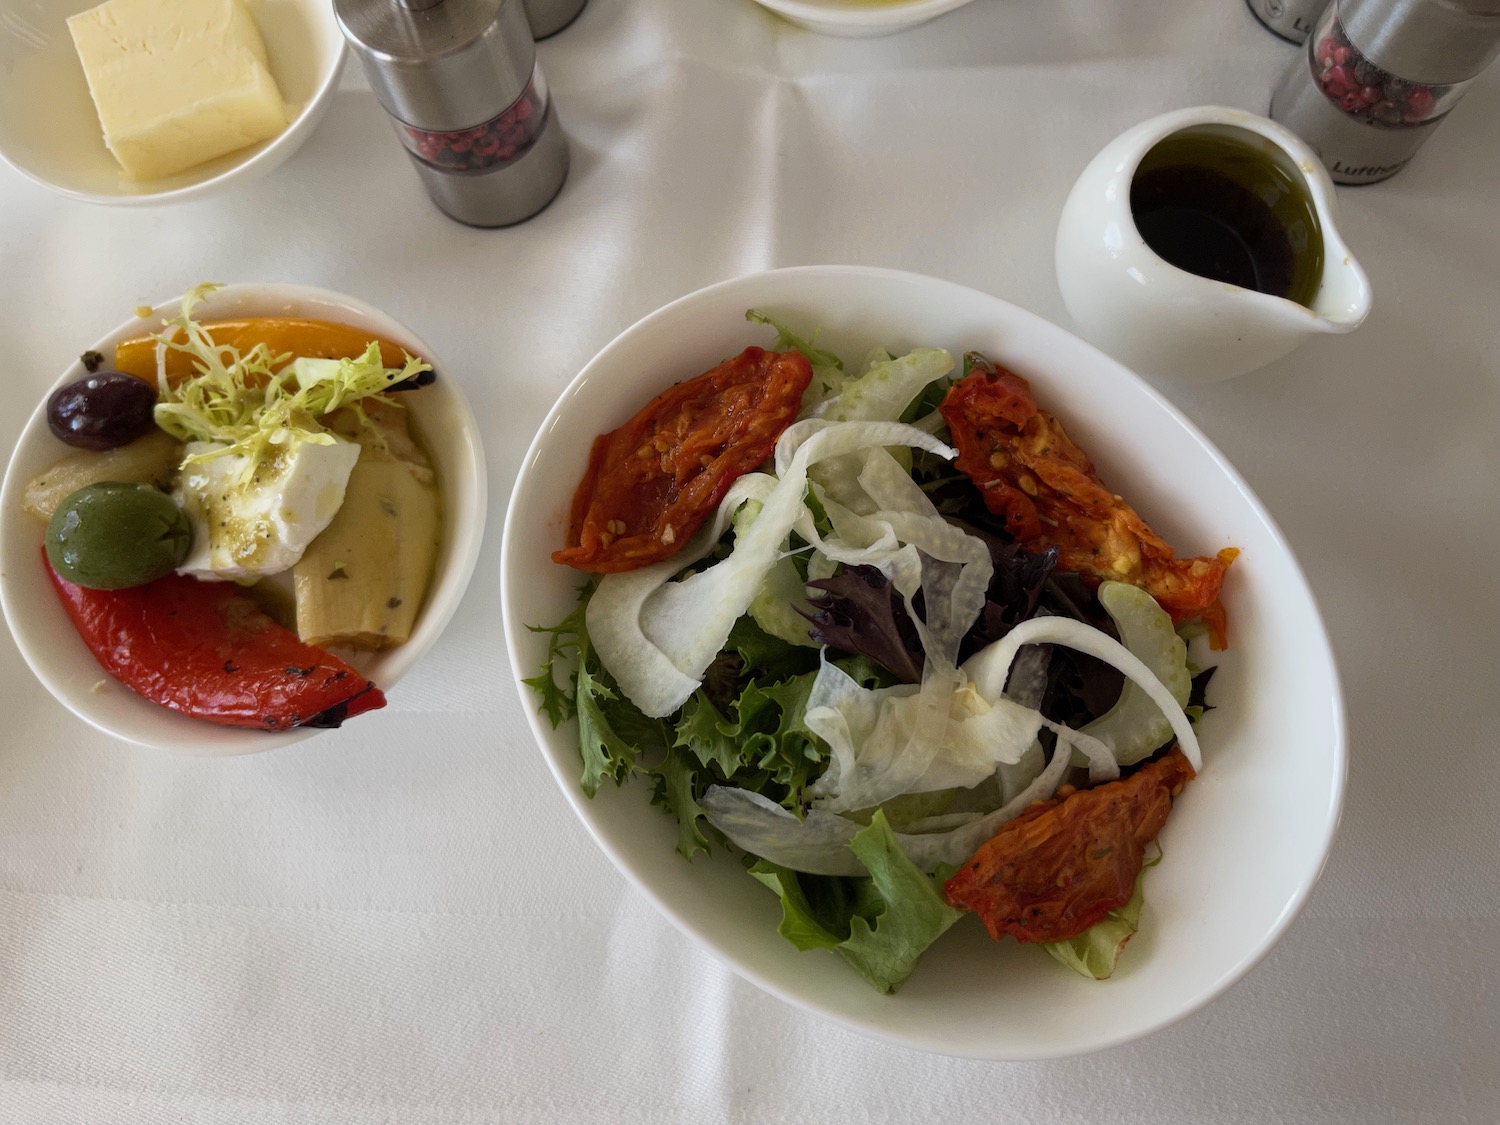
1293,20
460,82
1378,76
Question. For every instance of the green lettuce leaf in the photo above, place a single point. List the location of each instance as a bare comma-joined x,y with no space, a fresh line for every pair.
712,739
888,388
756,739
677,785
772,657
605,753
557,702
775,737
880,925
758,743
613,735
828,369
787,340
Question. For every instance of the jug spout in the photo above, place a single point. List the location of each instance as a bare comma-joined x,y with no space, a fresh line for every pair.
1168,319
1343,298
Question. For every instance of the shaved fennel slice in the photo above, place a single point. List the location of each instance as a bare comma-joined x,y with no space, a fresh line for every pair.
906,739
990,666
1026,685
1100,759
819,844
657,637
954,595
1014,779
942,822
882,518
619,598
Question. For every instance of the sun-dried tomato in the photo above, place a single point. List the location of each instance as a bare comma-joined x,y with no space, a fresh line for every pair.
651,483
1062,865
1033,475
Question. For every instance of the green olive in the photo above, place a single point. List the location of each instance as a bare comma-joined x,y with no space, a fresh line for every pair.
112,535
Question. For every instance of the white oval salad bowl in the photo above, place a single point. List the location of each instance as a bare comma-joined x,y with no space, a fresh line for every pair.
1245,842
442,420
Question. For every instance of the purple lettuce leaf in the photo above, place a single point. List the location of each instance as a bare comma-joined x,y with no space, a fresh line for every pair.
1015,592
859,611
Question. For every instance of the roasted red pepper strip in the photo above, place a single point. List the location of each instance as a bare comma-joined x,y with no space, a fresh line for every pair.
1062,865
651,483
1032,475
207,650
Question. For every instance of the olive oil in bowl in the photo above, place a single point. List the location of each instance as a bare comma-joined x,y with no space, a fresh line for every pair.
1227,205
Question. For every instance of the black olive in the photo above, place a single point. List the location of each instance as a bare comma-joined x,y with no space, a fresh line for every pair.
101,411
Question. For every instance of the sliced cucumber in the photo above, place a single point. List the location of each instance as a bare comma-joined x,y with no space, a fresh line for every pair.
1135,726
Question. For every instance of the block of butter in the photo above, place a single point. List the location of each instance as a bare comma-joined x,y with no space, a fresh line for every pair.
176,82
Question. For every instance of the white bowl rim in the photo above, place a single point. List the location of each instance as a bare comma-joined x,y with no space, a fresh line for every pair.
686,922
272,153
893,15
441,604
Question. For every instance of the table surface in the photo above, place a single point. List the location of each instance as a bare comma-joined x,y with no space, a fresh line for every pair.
372,926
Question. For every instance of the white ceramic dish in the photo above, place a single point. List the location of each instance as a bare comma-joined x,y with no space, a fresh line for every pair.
49,130
1170,324
441,417
860,19
1245,842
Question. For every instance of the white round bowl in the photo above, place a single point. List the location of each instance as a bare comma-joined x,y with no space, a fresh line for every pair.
48,642
860,19
1245,842
49,130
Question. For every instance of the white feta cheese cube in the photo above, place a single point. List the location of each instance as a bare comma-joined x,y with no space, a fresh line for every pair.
260,527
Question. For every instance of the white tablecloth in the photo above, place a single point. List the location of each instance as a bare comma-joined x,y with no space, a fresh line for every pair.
404,923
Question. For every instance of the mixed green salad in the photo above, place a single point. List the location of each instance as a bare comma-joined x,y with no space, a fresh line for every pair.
853,677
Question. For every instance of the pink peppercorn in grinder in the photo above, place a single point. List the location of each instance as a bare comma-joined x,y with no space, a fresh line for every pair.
460,82
1378,76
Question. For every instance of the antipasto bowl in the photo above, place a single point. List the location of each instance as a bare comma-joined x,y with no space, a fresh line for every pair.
440,421
1245,842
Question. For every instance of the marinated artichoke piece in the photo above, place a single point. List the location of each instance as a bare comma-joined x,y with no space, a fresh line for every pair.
362,582
151,460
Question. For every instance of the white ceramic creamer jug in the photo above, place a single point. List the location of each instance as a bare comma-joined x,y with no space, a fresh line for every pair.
1167,322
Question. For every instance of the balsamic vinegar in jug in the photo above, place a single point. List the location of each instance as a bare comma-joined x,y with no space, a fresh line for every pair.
1227,205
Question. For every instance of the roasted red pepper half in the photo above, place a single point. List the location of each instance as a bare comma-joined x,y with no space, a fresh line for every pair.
206,649
651,483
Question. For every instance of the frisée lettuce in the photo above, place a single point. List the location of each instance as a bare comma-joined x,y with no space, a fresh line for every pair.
241,405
